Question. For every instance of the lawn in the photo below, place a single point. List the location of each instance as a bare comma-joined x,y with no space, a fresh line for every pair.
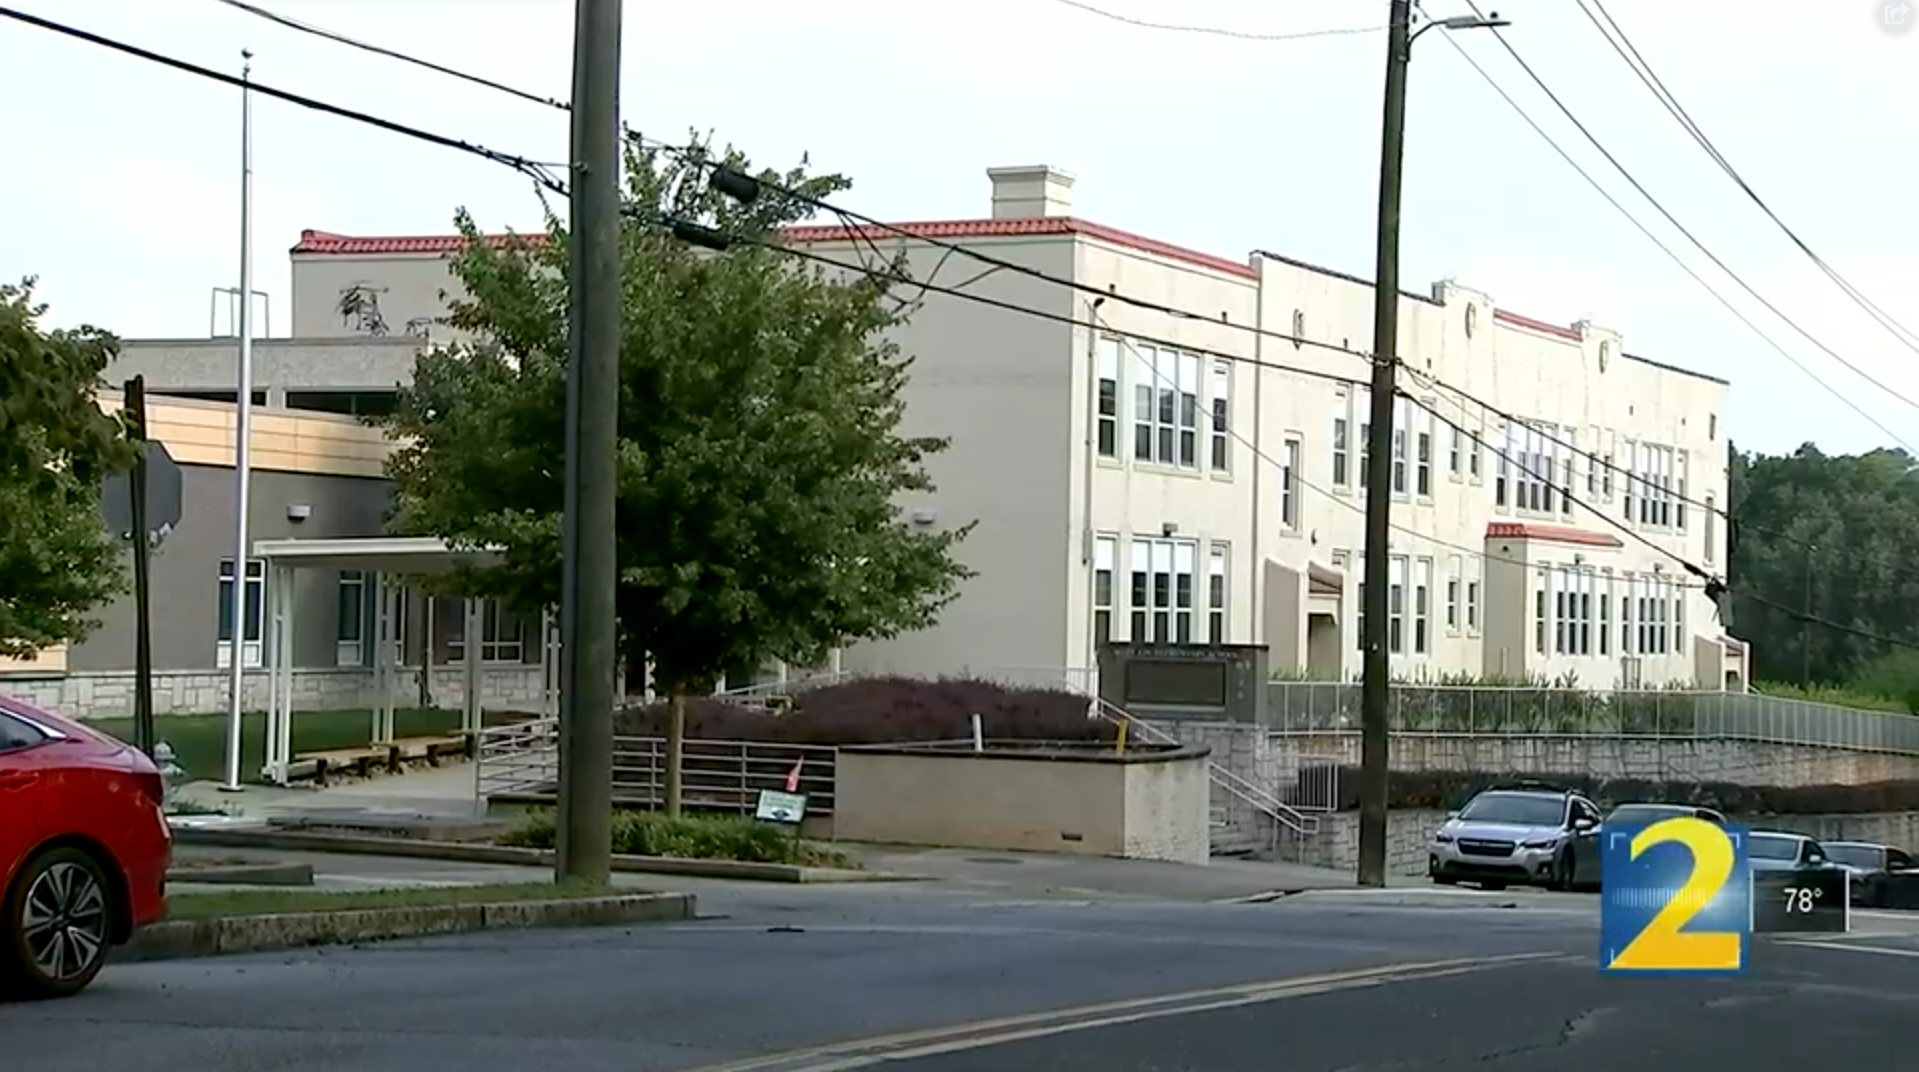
200,748
275,902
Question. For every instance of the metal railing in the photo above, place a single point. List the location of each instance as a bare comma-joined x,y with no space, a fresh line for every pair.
1246,792
1071,678
716,774
1301,708
1314,785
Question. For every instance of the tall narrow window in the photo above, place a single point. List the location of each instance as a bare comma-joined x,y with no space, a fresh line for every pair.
1289,485
1219,430
1473,568
1562,611
350,633
1502,471
1605,613
1363,406
1626,633
1679,494
1188,411
1423,456
1454,579
1541,615
1402,433
1477,449
1185,564
1145,409
1216,593
1106,435
1166,415
1710,522
1422,605
1105,556
1139,603
1342,447
1456,452
1396,606
1586,611
256,589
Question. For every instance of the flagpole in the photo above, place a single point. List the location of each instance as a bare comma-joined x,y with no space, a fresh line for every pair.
242,435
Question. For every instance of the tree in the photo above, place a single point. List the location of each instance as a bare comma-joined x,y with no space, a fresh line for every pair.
1826,537
57,561
762,464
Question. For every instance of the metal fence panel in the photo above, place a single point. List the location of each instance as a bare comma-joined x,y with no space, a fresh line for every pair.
1486,710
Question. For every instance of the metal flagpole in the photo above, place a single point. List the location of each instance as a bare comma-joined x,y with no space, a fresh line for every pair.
242,434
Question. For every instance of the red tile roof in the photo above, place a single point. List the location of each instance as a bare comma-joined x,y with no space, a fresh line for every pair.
325,243
1516,530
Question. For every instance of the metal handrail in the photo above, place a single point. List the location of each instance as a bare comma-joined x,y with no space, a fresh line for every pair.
1259,799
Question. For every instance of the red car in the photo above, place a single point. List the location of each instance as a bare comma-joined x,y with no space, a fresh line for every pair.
84,845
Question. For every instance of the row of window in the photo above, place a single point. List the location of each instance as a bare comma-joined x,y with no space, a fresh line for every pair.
502,637
1574,608
1168,393
1412,634
1163,593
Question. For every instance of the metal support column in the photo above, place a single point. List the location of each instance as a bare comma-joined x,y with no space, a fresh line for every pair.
474,665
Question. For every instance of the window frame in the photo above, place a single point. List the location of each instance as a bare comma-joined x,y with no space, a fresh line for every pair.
253,629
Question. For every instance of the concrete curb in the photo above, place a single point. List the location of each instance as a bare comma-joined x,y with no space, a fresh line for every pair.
289,841
245,875
177,939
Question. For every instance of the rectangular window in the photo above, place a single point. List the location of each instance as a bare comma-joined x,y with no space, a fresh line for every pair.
1105,558
1139,603
1626,634
1710,522
1106,435
1422,605
502,636
1541,620
1289,485
1423,456
1145,408
1216,593
1473,567
1586,611
1569,465
1220,429
1456,452
1607,469
1679,640
350,633
256,590
1342,448
1163,590
1562,610
1362,403
1592,463
1189,411
1605,614
1679,492
1402,433
1502,470
1478,447
1396,605
1455,579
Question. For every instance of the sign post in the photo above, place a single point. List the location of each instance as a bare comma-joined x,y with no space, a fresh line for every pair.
142,507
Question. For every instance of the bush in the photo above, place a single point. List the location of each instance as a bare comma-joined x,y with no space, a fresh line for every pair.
1448,790
690,837
885,710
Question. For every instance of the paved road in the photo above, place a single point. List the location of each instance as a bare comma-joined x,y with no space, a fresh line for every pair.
806,968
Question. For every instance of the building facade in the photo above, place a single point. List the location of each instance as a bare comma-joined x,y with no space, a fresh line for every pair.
1137,475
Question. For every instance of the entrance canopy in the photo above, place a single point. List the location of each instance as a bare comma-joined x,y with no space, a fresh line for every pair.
386,562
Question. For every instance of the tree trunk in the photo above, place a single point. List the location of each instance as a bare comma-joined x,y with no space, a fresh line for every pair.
676,755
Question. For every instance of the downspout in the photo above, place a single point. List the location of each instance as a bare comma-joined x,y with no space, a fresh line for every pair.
1257,461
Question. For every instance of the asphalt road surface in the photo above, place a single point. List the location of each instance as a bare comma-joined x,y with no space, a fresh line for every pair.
821,979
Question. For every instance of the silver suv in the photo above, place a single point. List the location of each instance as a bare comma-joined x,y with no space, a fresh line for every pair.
1535,836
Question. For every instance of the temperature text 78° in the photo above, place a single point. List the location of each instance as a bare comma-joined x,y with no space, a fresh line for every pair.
1799,899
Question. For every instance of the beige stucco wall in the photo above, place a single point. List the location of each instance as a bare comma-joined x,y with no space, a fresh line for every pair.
202,433
1148,806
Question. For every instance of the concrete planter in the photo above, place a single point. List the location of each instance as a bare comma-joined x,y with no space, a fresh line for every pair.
1148,803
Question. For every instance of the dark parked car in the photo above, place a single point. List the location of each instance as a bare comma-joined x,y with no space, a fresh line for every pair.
1870,863
1776,850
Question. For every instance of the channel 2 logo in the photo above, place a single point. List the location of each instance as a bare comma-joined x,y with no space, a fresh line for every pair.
1677,899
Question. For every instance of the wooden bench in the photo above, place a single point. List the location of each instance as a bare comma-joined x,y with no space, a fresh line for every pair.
359,761
433,749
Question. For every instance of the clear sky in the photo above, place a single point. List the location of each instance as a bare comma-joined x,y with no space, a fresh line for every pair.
121,187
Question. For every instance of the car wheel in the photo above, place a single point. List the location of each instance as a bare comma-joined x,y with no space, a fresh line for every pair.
1561,877
57,925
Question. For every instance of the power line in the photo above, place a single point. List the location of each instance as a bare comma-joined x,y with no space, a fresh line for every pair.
1540,82
855,222
1213,31
526,166
1628,52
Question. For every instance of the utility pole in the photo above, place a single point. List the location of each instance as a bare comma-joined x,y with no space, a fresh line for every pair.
1375,685
237,601
1805,625
134,398
588,693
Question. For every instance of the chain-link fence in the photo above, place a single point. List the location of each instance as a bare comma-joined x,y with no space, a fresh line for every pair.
1486,710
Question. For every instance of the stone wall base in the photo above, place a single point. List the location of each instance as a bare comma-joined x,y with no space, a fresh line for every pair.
109,694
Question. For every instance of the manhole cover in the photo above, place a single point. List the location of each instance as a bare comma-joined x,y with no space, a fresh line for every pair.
993,860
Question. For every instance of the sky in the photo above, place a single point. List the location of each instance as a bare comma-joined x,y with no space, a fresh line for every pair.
122,188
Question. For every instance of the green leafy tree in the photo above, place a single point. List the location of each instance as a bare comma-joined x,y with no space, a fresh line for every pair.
761,459
1827,537
57,562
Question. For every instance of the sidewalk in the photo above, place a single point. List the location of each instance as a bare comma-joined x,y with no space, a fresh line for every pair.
445,792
